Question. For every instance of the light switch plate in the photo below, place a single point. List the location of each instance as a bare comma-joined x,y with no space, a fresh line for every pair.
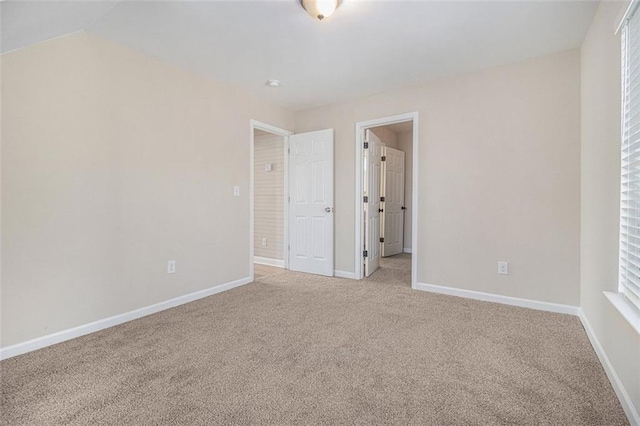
236,191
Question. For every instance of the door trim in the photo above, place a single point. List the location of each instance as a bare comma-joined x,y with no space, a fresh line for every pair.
257,125
359,208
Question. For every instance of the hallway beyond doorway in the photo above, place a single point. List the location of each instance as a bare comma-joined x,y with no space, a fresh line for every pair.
393,270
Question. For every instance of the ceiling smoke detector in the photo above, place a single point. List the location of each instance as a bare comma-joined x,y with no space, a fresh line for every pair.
273,83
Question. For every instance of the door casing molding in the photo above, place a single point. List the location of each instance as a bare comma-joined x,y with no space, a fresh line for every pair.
359,208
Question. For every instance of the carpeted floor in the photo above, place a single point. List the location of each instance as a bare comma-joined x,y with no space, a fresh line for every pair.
302,349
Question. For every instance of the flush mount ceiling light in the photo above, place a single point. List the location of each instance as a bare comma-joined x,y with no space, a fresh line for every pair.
273,83
320,9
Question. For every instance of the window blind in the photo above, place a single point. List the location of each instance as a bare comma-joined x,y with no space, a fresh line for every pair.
630,182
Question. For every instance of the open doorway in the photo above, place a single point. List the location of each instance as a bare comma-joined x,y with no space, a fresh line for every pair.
290,229
269,205
387,199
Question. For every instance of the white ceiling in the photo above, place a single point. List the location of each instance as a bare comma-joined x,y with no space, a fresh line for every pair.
366,47
29,22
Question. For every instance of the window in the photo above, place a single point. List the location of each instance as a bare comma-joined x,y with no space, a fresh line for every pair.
630,182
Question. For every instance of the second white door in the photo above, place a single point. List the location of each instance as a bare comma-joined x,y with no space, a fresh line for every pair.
311,202
393,205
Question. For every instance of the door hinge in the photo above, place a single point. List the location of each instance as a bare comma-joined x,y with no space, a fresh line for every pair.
365,199
383,158
382,199
366,145
382,239
365,254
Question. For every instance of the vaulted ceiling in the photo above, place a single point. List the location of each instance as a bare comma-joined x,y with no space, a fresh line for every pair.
366,47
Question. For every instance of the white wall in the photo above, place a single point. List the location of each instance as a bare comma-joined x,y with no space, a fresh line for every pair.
387,136
114,163
499,176
405,144
268,197
600,207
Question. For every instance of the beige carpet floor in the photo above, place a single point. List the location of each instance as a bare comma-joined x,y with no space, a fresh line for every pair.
301,349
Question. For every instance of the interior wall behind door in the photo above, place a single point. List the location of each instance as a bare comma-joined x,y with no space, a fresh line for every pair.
268,196
387,136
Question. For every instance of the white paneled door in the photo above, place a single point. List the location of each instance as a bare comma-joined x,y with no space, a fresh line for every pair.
393,205
311,202
372,206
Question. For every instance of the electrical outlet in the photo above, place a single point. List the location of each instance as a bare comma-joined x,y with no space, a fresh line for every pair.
171,267
503,268
264,242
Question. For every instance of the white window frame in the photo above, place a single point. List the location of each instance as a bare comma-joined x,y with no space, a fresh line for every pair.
627,299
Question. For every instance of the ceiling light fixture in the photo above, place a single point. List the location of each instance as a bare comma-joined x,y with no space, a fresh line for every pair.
320,9
273,83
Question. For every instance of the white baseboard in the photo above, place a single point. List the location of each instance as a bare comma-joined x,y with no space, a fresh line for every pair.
344,274
92,327
268,261
618,387
497,298
406,250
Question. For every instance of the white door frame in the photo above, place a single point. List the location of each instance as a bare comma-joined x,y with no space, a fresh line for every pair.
257,125
359,240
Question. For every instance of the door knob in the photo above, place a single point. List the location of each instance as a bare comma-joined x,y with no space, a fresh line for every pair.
328,209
